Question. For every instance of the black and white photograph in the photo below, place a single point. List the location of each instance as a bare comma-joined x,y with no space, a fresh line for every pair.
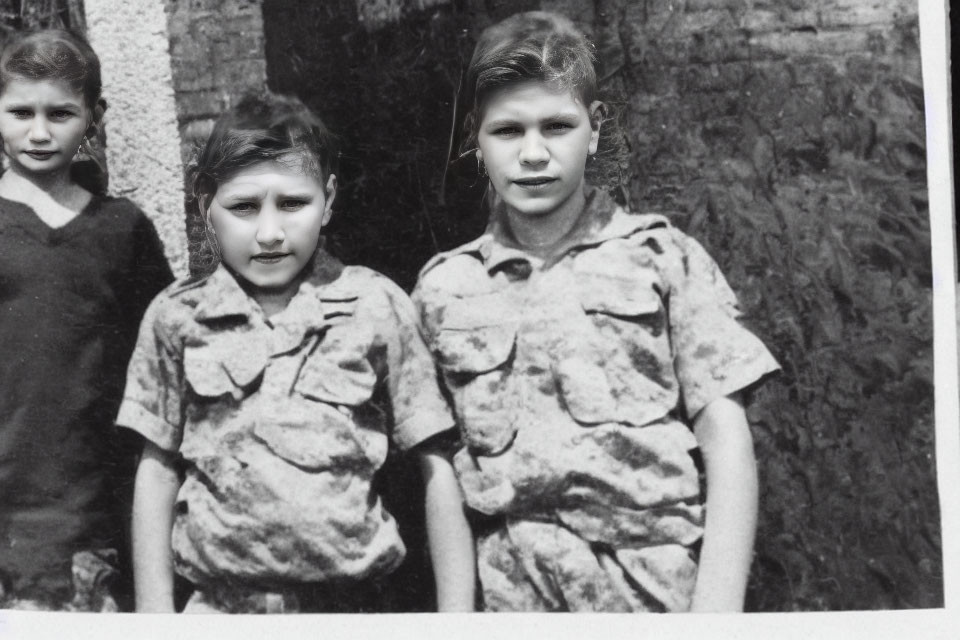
366,317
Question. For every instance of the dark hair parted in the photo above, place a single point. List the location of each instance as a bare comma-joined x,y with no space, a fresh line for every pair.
53,54
535,45
262,127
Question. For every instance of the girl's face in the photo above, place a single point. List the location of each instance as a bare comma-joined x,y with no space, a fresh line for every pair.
42,123
534,140
267,219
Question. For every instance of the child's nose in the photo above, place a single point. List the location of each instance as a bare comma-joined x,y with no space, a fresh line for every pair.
533,150
39,131
269,227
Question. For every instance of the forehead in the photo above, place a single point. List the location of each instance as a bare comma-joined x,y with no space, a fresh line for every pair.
531,98
289,173
32,91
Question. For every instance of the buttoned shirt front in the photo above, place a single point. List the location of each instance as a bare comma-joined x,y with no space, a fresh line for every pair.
575,379
282,423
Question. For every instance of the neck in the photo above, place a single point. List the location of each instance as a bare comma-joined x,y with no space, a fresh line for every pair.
17,184
539,234
272,301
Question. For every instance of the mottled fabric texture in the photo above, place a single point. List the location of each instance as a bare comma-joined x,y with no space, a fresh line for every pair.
283,423
575,381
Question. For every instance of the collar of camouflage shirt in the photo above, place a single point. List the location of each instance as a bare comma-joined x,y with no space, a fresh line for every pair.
602,219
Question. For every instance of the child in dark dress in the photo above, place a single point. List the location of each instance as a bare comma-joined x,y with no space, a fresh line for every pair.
77,271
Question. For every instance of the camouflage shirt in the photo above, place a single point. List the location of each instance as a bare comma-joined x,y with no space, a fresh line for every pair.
282,423
574,379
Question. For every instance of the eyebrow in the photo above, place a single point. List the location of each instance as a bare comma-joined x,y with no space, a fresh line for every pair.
52,107
237,194
559,115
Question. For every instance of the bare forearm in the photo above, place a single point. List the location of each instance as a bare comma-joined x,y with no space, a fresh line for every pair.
155,492
449,536
731,507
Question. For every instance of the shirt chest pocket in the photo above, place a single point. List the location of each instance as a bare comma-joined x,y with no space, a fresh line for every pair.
220,368
475,351
620,369
329,423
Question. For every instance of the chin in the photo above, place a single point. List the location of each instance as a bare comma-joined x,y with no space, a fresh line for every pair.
534,210
274,285
271,282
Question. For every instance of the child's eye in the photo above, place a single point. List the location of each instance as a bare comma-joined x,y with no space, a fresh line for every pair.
61,115
20,113
293,204
505,132
559,127
243,208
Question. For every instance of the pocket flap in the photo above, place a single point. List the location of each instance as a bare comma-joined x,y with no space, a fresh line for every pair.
475,350
618,296
206,373
349,382
586,391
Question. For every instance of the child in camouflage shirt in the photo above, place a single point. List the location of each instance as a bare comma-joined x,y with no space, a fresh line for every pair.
589,353
268,391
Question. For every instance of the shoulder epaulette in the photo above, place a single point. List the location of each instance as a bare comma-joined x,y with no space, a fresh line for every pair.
189,283
471,247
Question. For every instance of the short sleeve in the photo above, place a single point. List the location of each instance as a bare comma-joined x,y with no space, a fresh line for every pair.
419,408
714,355
425,312
151,403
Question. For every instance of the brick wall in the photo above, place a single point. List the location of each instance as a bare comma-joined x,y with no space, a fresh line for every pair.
217,54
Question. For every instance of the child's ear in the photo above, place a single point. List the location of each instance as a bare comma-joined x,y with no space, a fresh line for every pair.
331,194
598,111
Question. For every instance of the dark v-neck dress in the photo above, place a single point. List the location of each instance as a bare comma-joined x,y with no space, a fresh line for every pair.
71,300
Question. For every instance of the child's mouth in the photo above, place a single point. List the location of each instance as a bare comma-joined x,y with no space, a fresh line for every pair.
39,155
269,258
534,183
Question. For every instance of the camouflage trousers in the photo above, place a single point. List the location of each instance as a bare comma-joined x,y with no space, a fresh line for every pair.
94,574
358,597
532,565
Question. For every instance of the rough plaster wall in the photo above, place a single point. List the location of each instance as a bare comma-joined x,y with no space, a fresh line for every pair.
143,150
